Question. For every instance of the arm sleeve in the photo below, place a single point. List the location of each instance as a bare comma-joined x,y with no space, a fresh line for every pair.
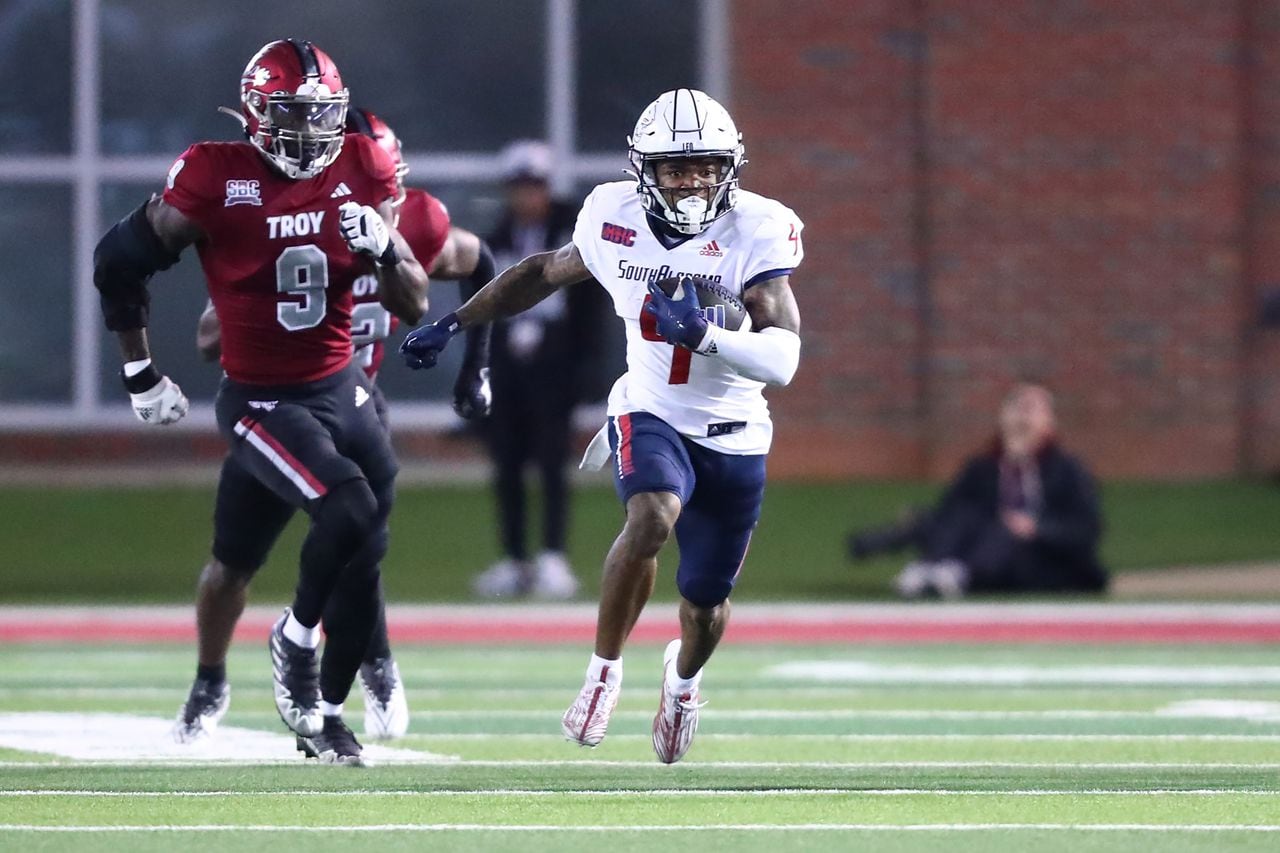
770,355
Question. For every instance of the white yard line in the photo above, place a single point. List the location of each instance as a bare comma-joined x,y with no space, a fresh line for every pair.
874,672
708,765
609,830
891,737
129,737
766,714
663,792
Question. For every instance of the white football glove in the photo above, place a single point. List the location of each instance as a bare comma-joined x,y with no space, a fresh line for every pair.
163,403
363,229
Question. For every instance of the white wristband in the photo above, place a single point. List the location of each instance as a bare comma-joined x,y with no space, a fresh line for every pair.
133,368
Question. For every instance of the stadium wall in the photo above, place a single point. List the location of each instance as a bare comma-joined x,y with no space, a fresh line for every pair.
1081,193
1084,193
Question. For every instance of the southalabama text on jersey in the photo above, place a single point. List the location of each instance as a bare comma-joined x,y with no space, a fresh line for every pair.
628,271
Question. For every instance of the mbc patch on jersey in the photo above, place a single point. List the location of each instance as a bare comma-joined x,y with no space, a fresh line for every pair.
718,304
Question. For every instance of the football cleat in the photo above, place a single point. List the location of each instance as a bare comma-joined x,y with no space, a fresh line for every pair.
295,677
386,711
587,719
199,715
677,719
335,744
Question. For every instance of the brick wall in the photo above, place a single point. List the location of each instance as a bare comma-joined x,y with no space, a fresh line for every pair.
1079,192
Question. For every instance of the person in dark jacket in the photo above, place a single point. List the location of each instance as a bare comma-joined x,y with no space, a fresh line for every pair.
1023,516
539,363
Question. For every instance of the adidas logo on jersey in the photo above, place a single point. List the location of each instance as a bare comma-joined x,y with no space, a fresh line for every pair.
362,396
341,190
712,250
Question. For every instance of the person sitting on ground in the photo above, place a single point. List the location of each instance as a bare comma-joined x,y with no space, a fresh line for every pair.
1022,516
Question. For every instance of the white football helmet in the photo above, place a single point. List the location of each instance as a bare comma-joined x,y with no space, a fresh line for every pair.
686,123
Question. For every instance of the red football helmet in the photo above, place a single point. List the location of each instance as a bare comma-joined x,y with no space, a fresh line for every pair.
294,107
362,121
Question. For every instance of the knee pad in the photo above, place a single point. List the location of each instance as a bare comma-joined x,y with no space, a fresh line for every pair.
704,590
349,514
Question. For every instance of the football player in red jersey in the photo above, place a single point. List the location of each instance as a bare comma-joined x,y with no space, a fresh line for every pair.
284,223
447,252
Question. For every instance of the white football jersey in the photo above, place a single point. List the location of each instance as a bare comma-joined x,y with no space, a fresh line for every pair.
700,396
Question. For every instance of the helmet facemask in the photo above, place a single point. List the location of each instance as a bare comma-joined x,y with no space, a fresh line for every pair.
688,125
687,210
301,133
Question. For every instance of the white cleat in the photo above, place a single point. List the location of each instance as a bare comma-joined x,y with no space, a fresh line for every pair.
295,681
553,578
677,719
506,578
386,711
199,716
587,719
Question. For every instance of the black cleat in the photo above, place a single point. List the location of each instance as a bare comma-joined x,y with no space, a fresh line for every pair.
295,677
199,715
336,744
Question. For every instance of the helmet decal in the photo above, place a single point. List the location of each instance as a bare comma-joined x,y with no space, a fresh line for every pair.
293,106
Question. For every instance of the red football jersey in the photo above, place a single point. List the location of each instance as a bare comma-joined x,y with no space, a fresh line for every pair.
279,273
424,224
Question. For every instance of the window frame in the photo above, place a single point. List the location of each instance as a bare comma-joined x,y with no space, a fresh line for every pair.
86,170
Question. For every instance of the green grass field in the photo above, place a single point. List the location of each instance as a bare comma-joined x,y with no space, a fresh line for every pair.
942,747
147,544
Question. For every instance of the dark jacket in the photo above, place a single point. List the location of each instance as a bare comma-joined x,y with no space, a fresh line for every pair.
1068,519
571,344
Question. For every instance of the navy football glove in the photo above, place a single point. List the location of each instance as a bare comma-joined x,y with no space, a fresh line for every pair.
423,345
678,320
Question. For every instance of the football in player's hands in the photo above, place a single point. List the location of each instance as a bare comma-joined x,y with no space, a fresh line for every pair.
717,303
363,229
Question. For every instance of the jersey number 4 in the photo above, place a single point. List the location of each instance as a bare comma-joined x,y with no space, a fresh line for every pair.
302,274
681,358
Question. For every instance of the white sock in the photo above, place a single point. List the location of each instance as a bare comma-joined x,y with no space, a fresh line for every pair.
611,669
299,634
330,710
680,686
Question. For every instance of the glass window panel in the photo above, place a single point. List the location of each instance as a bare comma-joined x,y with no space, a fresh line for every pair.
473,206
35,57
178,297
627,56
35,290
445,75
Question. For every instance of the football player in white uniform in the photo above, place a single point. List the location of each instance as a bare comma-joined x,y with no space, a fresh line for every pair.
688,426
